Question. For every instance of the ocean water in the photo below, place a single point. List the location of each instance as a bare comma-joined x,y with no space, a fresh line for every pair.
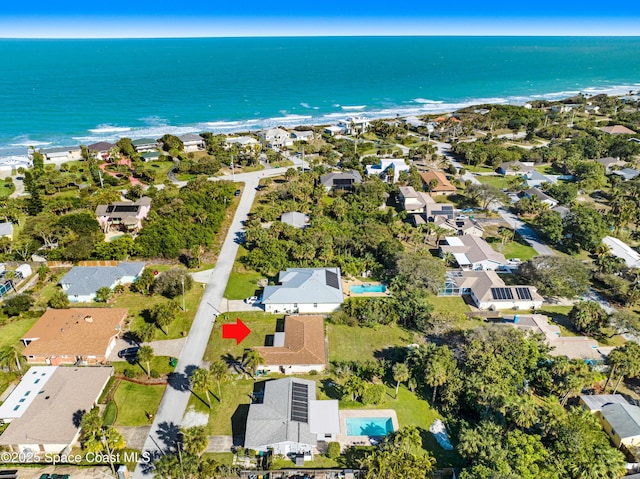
65,92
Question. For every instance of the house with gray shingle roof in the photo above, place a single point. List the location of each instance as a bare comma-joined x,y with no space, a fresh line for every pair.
290,420
341,180
305,290
622,423
82,283
192,142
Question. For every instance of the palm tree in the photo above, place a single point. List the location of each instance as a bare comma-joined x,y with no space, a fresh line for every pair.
201,380
194,440
252,360
10,358
145,355
218,370
400,375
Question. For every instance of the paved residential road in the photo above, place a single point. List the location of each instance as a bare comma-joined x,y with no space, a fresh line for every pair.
165,428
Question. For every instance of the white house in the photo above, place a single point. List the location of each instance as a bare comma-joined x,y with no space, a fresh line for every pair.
6,230
388,167
302,135
333,130
471,252
290,420
10,164
25,392
621,250
305,290
487,291
354,125
192,142
61,154
299,348
276,138
82,283
145,145
242,141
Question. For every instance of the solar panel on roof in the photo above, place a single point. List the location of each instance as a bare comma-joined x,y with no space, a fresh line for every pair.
332,279
299,402
523,293
501,293
126,208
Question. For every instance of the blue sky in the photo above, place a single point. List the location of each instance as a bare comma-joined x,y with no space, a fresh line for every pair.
163,18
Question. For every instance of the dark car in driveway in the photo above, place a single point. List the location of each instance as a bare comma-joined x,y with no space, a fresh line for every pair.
128,353
237,193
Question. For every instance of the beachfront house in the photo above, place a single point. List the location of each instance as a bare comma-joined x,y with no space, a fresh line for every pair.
487,291
341,180
74,336
288,420
51,405
124,216
305,290
436,183
472,253
333,130
60,154
101,150
9,164
192,142
245,142
299,346
82,283
276,138
388,169
145,145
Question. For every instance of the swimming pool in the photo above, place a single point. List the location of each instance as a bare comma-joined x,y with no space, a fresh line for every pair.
367,288
369,426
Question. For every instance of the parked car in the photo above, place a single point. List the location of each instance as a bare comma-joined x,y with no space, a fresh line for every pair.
514,261
237,193
461,217
129,352
251,300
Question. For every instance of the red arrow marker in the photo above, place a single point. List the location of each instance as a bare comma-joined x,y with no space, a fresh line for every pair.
237,331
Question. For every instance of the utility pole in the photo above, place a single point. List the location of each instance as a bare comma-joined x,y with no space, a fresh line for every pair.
183,305
233,173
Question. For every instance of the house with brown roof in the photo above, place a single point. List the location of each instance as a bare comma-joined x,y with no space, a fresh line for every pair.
123,215
299,347
617,130
51,421
443,187
74,335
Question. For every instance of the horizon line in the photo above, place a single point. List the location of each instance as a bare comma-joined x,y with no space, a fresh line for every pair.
388,35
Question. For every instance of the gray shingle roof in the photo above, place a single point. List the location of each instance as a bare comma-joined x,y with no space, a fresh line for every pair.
270,422
624,418
595,401
305,285
86,280
6,229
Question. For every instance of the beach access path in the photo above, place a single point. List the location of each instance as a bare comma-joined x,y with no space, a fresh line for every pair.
165,429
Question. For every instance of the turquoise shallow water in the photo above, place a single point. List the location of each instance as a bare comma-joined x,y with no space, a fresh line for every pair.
69,91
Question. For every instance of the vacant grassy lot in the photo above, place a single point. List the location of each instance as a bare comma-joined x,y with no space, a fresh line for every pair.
6,189
498,181
348,343
14,329
260,324
243,281
134,401
515,249
160,364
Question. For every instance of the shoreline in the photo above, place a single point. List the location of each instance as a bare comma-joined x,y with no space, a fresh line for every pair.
417,107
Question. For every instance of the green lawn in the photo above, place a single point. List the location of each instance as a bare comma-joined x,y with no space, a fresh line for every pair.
134,401
235,403
347,343
158,363
260,324
498,181
6,189
243,281
478,169
14,329
515,249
